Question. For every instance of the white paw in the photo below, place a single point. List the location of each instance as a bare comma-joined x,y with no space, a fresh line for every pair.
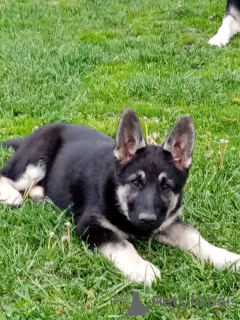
10,195
126,259
37,194
144,272
229,28
233,260
220,39
226,259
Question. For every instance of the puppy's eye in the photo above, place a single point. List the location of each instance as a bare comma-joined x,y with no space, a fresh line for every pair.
165,187
135,183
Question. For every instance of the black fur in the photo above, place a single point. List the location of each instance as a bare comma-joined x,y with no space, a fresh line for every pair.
232,4
14,143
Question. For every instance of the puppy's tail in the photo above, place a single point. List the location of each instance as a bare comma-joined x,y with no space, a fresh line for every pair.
14,143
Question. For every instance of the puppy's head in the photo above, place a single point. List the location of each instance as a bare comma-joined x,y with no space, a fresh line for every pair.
150,178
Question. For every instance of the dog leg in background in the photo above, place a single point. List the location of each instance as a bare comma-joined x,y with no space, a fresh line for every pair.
187,238
126,259
230,25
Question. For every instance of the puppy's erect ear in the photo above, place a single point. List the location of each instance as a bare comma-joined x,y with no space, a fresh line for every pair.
129,136
180,142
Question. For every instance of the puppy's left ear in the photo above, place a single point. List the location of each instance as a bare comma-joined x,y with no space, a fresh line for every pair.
129,136
180,142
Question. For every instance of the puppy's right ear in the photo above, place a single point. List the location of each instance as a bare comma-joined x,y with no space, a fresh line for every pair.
129,136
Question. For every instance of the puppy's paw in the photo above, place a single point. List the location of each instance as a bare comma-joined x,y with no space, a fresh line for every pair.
126,259
226,259
229,28
233,260
10,195
37,194
144,272
220,39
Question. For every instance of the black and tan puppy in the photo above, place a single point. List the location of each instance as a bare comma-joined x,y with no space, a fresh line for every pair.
115,189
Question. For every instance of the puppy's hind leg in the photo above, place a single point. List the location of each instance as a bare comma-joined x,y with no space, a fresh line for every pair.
37,194
9,189
8,194
28,165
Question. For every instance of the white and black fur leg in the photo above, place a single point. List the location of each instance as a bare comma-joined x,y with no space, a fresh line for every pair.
112,243
230,25
28,165
10,189
187,238
126,259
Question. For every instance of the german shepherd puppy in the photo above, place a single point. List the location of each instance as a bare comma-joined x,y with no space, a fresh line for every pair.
230,25
115,189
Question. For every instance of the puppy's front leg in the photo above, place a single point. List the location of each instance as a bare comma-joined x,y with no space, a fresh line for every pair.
112,242
125,258
187,238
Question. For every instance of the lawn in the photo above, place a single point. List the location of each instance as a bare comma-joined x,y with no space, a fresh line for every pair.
83,62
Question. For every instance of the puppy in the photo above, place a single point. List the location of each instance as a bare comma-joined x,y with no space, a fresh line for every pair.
116,190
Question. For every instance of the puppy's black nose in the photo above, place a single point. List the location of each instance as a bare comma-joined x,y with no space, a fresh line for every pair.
147,217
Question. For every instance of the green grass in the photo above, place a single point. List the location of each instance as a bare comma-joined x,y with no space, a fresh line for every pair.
83,61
